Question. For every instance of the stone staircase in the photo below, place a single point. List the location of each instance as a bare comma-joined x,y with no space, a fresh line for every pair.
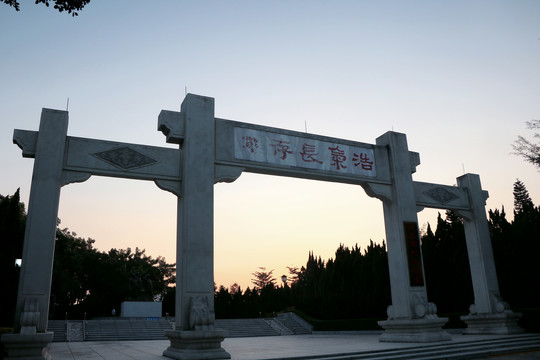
59,328
294,323
128,329
108,330
142,329
246,327
474,349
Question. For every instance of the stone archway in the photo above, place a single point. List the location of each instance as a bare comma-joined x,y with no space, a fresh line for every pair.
214,150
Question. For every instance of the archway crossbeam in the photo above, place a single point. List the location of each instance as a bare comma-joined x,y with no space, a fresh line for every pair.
108,158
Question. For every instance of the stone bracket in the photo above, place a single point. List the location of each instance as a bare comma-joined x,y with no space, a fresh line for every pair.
26,140
414,159
172,124
70,177
227,173
379,191
172,186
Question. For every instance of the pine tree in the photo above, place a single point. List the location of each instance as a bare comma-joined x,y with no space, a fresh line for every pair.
522,200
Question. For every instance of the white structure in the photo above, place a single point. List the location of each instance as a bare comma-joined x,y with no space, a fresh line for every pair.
213,150
146,309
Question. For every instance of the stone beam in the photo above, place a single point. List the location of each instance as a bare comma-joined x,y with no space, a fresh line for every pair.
440,196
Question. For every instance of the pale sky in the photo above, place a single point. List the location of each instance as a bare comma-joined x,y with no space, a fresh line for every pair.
460,78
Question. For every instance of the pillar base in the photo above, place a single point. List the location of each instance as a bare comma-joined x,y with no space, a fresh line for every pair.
196,345
414,330
27,347
504,323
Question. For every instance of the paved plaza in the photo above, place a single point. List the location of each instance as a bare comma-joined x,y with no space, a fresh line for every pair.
261,348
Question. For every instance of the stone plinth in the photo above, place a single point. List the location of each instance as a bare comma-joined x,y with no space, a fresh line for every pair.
196,345
414,330
27,347
492,324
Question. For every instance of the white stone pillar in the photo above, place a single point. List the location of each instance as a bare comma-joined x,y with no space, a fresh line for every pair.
195,336
411,318
195,232
489,314
32,307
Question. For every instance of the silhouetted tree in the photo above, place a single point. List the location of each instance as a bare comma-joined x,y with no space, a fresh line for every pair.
76,263
132,276
446,265
294,273
504,250
263,278
528,150
522,199
222,303
87,280
516,246
71,6
12,223
354,284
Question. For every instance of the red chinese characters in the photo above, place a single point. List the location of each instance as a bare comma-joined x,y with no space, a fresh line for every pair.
338,157
309,153
362,160
250,142
315,154
282,148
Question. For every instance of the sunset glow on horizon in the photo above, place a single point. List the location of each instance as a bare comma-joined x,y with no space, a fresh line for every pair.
460,79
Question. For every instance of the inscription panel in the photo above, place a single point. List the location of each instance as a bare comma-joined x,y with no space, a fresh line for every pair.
274,151
281,149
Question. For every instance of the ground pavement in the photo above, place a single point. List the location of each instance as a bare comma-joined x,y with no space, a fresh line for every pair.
267,348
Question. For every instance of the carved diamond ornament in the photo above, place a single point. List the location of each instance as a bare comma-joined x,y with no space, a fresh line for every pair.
125,158
440,195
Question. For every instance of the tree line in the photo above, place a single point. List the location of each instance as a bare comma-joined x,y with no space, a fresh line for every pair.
85,282
89,283
353,284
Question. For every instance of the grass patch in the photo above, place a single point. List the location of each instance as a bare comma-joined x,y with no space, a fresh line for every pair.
341,324
5,330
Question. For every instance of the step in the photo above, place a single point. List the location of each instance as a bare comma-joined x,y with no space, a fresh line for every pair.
294,323
451,350
246,327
